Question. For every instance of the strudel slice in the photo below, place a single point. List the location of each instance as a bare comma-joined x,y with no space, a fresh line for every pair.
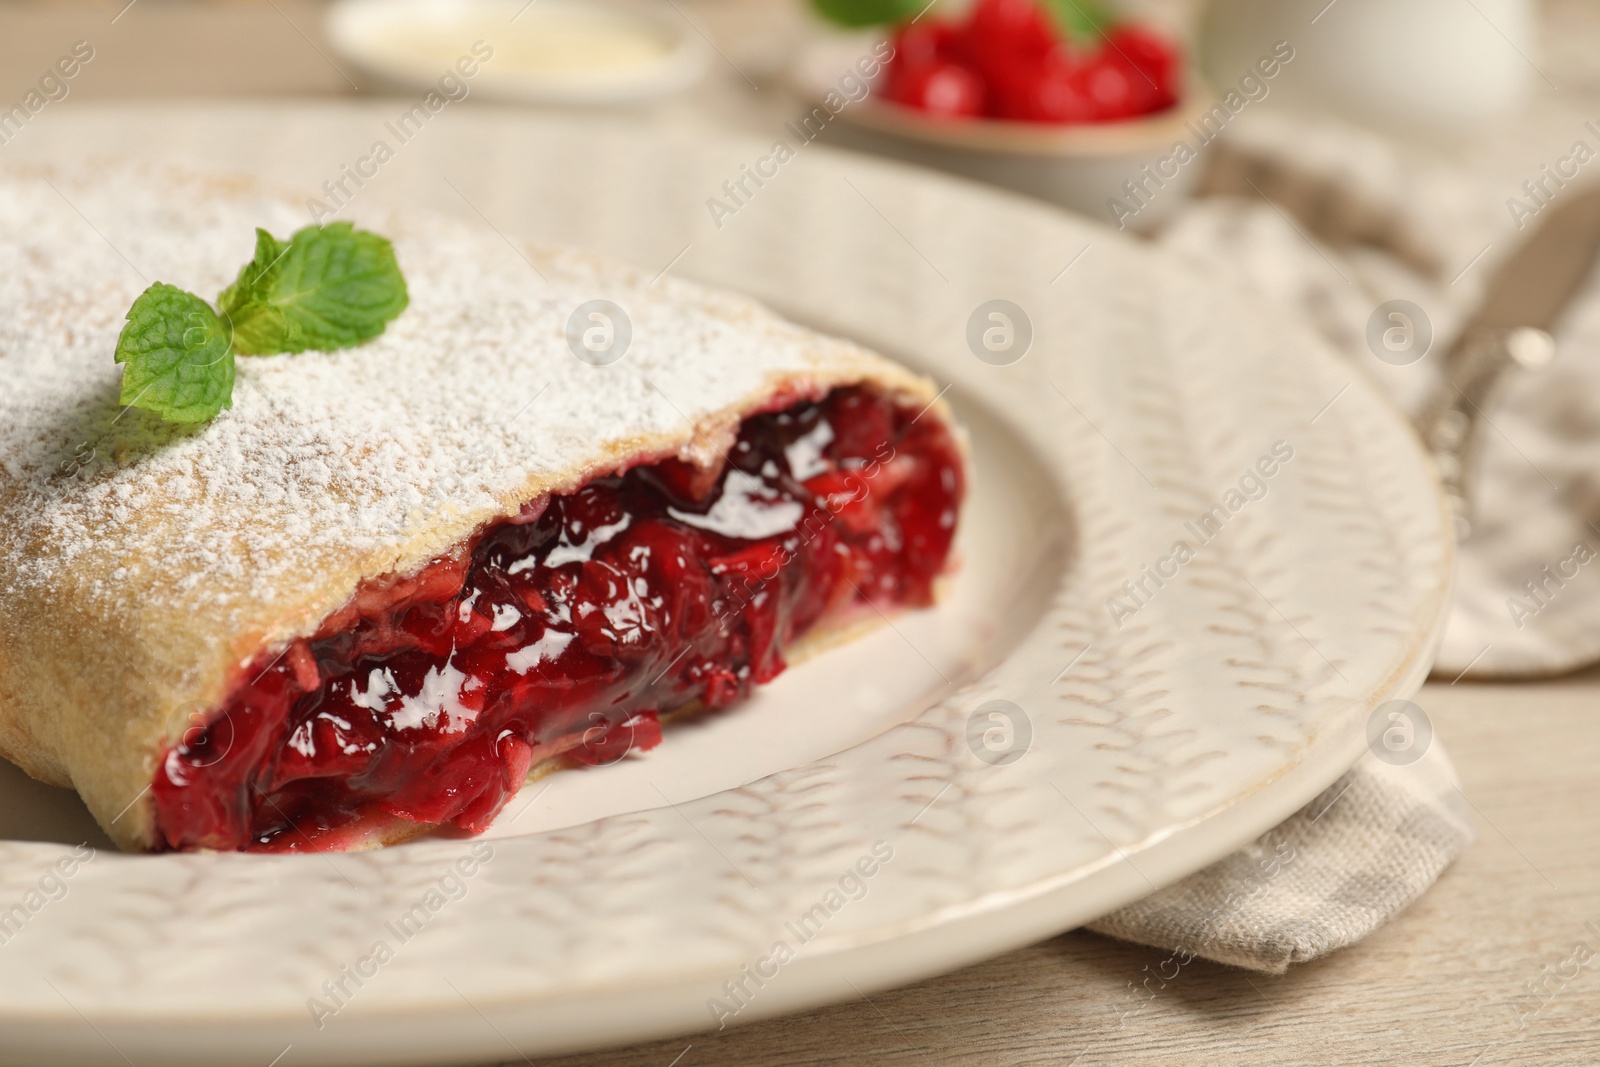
389,581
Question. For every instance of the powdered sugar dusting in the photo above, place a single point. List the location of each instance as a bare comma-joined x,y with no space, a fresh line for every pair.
328,463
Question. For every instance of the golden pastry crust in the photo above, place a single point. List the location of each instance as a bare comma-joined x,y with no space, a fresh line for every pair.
142,566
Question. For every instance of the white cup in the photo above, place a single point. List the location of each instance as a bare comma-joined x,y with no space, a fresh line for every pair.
1430,68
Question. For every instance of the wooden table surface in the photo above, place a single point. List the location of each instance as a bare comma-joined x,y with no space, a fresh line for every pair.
1439,986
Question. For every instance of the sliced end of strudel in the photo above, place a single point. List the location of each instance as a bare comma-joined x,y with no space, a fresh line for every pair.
387,583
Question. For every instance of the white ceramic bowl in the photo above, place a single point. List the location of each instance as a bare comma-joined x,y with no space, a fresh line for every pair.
1080,167
549,51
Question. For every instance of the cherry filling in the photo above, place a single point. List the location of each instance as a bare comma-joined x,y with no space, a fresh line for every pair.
566,630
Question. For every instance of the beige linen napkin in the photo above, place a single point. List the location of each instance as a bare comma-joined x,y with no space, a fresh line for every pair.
1342,866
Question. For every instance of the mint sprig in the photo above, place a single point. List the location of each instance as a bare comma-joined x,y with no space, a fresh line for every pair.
178,361
326,288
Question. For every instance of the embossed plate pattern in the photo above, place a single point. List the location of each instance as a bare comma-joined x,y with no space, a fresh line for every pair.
1219,693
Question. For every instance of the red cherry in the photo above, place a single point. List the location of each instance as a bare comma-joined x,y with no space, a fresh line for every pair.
943,88
919,44
1047,92
1153,57
1111,87
1145,49
863,424
1002,33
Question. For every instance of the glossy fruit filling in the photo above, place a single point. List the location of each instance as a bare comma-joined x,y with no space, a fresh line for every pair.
565,631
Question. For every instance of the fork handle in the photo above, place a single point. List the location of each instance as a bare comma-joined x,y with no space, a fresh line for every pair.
1452,423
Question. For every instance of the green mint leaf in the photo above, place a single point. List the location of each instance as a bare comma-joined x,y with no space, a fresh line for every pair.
1084,21
177,360
325,288
856,13
258,327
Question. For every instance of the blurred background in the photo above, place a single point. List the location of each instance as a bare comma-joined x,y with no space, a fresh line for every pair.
1393,127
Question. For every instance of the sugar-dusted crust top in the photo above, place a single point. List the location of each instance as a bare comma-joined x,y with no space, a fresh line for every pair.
143,564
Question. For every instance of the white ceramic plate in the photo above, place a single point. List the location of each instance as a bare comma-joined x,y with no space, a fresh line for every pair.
620,902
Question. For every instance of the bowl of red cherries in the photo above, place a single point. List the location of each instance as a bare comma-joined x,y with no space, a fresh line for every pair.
1060,99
